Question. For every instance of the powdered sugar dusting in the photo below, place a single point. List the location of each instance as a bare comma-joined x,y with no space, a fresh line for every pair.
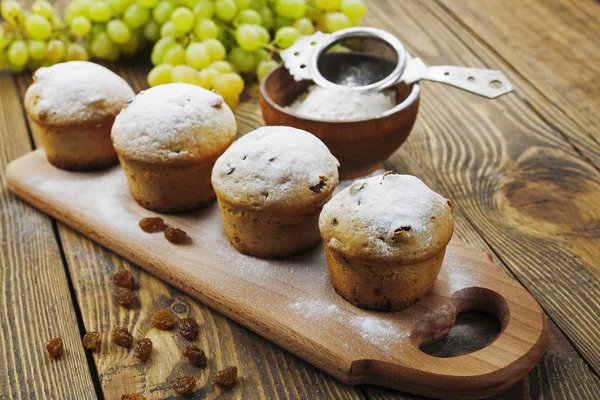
379,332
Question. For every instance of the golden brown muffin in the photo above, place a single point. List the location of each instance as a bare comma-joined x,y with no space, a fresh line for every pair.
385,239
168,139
72,107
271,186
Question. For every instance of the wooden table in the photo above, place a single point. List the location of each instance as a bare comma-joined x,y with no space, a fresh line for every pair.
522,170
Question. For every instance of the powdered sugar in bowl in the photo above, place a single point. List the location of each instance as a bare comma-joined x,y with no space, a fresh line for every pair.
361,145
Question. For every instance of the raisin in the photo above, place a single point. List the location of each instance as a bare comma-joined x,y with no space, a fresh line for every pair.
132,396
124,296
92,341
55,347
175,235
196,355
143,349
189,328
185,385
124,279
151,225
164,319
226,376
318,188
122,337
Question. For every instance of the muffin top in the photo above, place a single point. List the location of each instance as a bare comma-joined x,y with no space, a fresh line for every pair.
174,123
276,169
76,93
387,217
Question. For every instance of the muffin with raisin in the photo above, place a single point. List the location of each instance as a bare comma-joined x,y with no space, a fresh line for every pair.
271,186
385,239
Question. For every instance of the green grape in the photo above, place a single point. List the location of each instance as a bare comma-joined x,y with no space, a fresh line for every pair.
197,56
135,16
3,60
96,29
131,47
160,49
204,9
160,75
222,66
37,49
43,8
38,27
215,49
147,3
18,53
101,46
260,55
266,15
77,52
100,11
162,12
243,4
114,53
118,7
207,76
183,19
247,37
328,5
117,31
168,30
286,36
33,65
264,67
77,8
80,26
226,9
206,28
12,12
185,74
336,21
5,39
152,31
251,17
175,55
304,25
243,60
291,9
314,14
354,9
228,84
263,33
279,22
187,3
55,50
232,101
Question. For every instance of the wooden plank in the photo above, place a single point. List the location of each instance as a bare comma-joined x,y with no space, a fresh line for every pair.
554,48
527,191
35,301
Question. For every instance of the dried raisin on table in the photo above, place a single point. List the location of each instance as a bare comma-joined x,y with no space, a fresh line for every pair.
124,279
189,329
55,347
184,385
152,224
196,355
143,349
122,337
124,296
175,235
226,376
132,396
92,341
164,319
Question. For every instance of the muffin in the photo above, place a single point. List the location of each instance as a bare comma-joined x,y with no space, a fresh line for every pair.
168,139
72,107
271,186
385,239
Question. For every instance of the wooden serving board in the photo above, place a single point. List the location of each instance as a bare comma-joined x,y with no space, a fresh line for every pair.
292,303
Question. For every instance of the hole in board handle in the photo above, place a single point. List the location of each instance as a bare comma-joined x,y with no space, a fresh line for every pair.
471,79
496,84
446,73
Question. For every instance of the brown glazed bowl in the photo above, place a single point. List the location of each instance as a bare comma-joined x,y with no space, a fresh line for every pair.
361,146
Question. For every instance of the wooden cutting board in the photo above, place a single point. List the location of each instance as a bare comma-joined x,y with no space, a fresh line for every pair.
292,303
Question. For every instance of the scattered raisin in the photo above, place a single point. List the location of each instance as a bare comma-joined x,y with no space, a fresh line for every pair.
132,396
151,225
189,328
196,355
55,347
318,188
124,279
122,337
124,296
185,385
164,319
226,376
92,341
143,349
175,235
402,232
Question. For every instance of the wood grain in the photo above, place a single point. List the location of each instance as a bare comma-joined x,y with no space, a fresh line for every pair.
527,192
35,302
